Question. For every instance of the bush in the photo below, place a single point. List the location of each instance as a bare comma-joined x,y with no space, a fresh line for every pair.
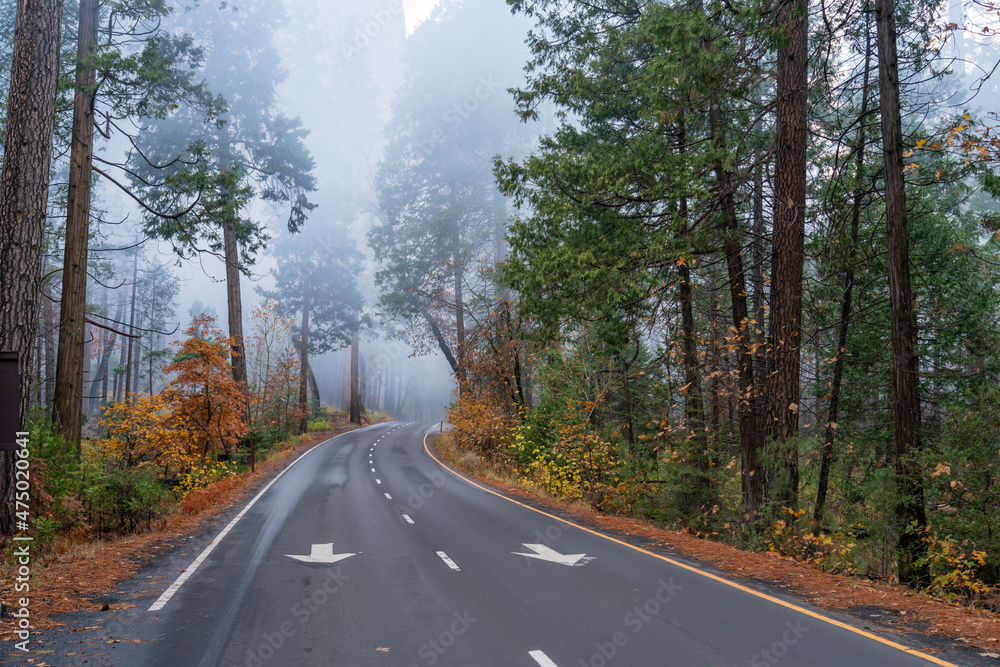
127,500
56,482
209,474
319,425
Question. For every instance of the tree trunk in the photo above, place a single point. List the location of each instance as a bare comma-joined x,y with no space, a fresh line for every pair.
314,386
754,481
131,328
109,346
355,398
757,246
439,337
833,411
24,187
694,415
234,300
390,390
459,323
362,386
715,364
68,400
49,315
906,384
788,239
120,377
37,380
304,360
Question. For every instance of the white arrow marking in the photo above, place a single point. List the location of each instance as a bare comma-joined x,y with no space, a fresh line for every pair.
541,658
543,552
321,553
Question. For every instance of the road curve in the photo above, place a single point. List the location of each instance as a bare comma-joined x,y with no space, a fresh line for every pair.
426,568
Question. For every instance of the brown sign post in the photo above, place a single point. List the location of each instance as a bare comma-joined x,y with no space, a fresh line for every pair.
10,401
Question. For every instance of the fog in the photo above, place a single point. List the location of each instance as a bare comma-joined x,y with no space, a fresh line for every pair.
362,77
403,107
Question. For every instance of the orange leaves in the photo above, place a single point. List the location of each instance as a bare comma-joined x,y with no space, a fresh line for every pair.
203,393
142,432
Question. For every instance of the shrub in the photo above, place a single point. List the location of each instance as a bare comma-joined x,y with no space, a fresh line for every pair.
319,425
204,476
126,500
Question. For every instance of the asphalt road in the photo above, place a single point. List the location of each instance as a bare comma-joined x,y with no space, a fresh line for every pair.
426,568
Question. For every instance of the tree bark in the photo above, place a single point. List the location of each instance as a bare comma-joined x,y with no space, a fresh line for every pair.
24,186
304,360
910,510
833,410
234,300
68,401
788,240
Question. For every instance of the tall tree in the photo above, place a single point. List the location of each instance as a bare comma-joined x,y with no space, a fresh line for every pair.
114,82
24,185
785,336
257,152
910,512
316,277
437,199
68,401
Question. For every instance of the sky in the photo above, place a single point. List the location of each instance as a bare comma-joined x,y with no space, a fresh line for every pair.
416,11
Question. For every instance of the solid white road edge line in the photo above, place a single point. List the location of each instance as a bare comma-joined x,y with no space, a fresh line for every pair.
169,593
541,659
449,562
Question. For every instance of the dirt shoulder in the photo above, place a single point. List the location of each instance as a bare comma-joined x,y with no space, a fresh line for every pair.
78,578
894,609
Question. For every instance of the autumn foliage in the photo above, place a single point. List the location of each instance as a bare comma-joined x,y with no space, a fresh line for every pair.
203,393
143,431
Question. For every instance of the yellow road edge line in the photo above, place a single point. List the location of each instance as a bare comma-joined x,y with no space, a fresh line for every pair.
727,582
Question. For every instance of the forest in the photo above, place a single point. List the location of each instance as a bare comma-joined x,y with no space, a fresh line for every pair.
731,268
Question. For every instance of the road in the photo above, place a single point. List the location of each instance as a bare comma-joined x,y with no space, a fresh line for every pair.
366,551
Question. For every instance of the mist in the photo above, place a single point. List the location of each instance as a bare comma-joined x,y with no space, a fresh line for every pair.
359,89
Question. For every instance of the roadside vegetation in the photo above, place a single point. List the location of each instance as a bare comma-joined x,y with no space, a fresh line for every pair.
783,339
177,451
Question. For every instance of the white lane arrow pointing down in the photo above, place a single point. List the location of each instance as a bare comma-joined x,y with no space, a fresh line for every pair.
543,552
321,553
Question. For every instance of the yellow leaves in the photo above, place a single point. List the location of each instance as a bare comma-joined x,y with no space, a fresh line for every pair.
941,469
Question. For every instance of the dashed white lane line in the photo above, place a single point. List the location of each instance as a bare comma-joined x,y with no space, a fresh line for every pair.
388,496
449,562
541,659
373,469
408,519
378,481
